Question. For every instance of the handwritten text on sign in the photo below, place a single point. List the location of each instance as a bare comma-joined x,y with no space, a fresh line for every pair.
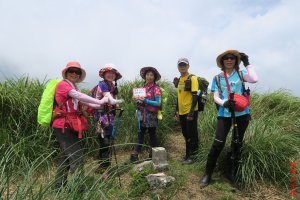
139,92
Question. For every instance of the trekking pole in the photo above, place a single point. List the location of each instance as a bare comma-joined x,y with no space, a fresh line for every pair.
235,147
139,122
114,133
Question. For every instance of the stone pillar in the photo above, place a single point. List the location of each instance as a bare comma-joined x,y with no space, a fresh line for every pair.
159,158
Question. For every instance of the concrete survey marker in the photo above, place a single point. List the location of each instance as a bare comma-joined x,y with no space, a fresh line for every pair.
159,158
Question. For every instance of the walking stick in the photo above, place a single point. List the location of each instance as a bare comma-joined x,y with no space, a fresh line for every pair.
235,144
139,118
114,134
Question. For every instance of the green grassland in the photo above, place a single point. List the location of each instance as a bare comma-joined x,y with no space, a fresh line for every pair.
29,151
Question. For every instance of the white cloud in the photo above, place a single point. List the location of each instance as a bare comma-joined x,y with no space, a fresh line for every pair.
40,37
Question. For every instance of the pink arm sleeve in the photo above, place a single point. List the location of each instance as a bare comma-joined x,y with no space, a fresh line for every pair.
251,76
85,98
92,105
217,98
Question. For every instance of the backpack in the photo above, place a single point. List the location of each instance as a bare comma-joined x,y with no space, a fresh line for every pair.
77,121
240,74
202,92
45,109
164,101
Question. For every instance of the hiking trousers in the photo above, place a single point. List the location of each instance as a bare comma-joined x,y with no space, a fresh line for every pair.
105,141
152,137
71,156
190,133
223,127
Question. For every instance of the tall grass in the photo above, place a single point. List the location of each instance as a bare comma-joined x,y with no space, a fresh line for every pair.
28,151
19,128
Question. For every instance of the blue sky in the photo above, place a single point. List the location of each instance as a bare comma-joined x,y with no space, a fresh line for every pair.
39,37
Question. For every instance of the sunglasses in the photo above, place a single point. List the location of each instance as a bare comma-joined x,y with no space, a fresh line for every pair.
229,58
74,70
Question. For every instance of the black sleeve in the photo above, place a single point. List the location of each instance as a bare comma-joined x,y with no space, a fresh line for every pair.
176,108
194,103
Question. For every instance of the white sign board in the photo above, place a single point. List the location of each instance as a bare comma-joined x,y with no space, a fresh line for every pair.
139,92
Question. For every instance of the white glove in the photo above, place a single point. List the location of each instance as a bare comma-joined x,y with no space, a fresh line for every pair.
103,100
113,101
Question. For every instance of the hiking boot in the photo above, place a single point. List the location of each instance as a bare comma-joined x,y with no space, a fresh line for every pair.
150,154
57,189
187,161
100,169
182,159
134,157
105,176
205,180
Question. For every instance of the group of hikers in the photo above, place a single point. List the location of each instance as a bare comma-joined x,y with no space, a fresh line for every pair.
69,104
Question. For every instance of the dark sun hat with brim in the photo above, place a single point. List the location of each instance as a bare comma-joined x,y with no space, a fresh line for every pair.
144,70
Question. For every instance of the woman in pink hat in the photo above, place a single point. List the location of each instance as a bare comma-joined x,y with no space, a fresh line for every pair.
105,115
147,110
69,121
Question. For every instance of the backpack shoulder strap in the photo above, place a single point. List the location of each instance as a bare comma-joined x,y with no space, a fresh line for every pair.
190,76
92,92
68,97
242,79
218,84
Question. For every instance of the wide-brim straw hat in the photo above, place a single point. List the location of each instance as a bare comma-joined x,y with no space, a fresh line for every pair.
144,70
74,64
230,51
107,68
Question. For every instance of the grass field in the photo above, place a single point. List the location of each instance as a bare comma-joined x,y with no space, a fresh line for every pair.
29,151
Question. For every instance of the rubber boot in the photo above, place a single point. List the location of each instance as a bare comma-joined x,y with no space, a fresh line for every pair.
134,157
150,154
205,180
100,169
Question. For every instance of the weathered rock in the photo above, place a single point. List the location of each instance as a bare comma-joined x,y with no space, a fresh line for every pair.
159,180
142,166
159,158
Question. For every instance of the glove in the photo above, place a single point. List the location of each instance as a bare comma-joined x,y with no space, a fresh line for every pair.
116,101
119,101
244,59
176,115
230,104
104,100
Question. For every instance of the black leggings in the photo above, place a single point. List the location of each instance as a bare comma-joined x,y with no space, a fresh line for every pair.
223,127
